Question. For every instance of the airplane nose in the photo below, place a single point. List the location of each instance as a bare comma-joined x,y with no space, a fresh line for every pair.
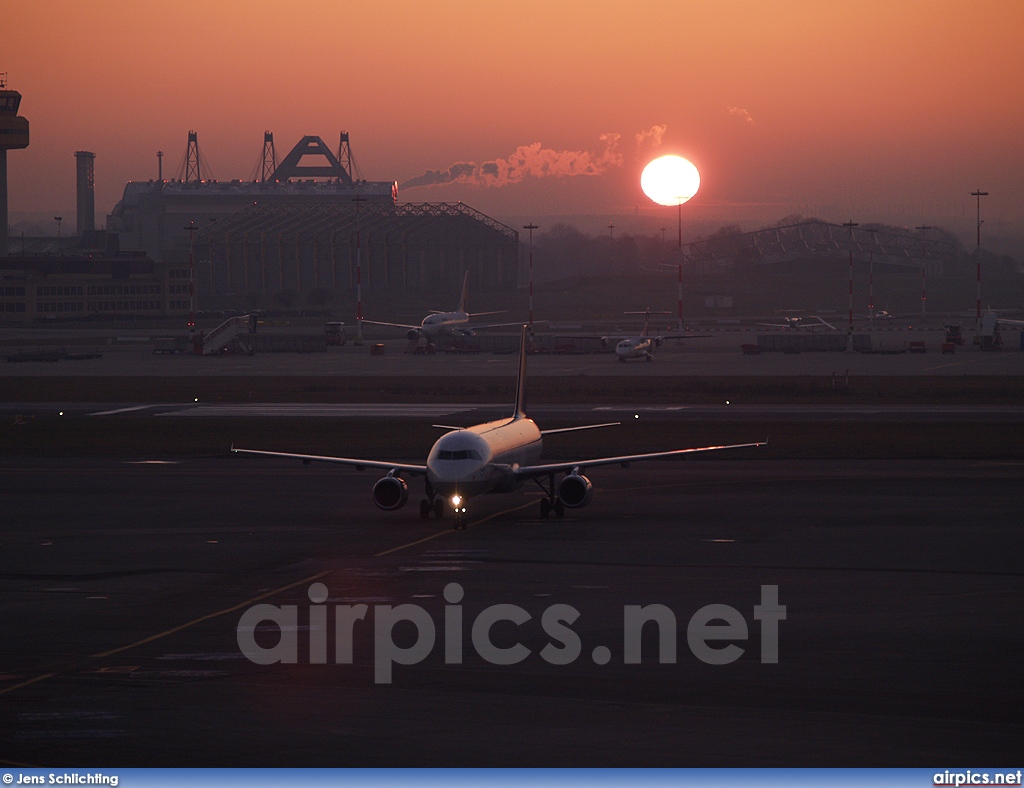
450,472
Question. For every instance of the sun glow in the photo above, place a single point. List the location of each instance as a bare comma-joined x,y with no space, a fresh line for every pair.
670,180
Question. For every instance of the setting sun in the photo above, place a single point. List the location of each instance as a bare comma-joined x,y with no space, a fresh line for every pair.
670,180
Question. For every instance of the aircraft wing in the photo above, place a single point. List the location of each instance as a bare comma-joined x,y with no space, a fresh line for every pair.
583,427
530,471
517,324
355,463
393,325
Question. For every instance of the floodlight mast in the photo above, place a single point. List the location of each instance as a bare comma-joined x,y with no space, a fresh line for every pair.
191,278
679,296
849,332
359,275
979,194
531,227
923,228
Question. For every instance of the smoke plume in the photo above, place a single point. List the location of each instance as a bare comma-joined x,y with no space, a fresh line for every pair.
742,114
529,161
651,136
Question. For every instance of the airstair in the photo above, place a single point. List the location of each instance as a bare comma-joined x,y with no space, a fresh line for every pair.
231,335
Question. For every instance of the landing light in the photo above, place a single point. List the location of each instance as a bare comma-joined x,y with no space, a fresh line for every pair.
456,501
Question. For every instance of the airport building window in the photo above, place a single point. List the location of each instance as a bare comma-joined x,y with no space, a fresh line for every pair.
12,291
125,289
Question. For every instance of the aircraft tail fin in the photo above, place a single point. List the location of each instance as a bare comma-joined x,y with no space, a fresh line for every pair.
521,381
464,299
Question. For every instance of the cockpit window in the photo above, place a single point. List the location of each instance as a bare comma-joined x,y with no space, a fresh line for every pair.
462,454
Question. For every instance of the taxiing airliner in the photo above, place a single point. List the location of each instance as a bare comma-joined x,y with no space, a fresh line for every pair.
452,323
498,456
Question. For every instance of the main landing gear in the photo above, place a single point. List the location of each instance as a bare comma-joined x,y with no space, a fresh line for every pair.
551,503
431,505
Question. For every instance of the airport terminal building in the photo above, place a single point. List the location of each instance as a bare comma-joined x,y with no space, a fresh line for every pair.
76,287
304,235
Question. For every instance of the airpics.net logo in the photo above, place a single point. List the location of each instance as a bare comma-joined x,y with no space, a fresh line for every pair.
706,632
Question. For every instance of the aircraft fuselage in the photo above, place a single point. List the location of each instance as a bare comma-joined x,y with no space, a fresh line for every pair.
634,348
443,321
481,458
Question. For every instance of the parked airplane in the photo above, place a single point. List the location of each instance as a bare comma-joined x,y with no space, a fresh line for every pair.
497,456
641,346
989,334
453,323
809,323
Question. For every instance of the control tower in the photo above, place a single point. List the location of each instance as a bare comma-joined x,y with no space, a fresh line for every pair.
13,135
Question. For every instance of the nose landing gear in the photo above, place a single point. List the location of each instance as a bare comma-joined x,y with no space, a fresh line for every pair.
459,507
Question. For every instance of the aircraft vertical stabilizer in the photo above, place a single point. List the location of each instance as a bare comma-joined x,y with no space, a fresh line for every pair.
464,300
521,382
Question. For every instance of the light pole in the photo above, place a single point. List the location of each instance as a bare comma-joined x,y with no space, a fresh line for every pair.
679,265
979,194
359,275
923,228
58,220
871,282
531,227
849,332
191,278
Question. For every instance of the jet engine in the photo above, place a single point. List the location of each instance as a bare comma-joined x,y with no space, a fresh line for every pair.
575,491
657,341
413,334
390,493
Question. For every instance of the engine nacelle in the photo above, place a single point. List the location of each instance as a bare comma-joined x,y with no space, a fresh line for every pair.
413,334
658,341
575,491
390,493
604,342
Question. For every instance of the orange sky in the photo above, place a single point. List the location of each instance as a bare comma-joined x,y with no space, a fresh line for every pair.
873,110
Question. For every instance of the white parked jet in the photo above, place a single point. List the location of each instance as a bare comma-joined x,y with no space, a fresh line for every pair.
454,323
498,456
641,346
810,323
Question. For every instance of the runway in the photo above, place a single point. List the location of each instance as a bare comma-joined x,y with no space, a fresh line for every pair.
472,413
124,584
